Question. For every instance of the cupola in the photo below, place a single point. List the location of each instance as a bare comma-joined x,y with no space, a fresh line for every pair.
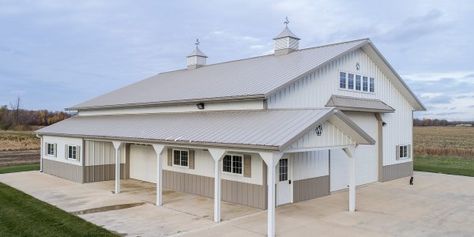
286,42
197,58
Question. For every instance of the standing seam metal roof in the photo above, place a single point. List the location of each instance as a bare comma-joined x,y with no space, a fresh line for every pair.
241,78
262,128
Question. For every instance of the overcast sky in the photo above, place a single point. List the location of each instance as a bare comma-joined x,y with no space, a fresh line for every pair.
55,54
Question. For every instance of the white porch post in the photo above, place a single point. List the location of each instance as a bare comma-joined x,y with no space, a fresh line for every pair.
117,146
42,151
271,159
159,176
217,155
352,178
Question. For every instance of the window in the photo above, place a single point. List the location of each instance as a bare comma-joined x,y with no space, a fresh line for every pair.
342,80
180,157
357,82
72,152
365,84
403,152
51,149
232,164
350,83
372,84
283,170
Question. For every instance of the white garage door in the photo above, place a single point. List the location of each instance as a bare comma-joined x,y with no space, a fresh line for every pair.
365,155
142,163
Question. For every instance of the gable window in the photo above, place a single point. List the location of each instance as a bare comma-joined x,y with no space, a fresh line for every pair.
372,84
403,152
180,157
342,80
71,152
358,82
365,84
350,84
50,149
233,164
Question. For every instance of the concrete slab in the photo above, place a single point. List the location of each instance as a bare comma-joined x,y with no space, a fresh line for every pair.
437,205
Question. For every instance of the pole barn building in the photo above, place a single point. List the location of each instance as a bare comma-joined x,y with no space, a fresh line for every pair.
281,128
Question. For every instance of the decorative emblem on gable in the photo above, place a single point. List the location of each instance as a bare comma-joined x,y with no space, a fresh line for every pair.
319,130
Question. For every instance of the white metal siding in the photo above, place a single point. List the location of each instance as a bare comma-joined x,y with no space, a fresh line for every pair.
331,136
61,143
310,164
315,89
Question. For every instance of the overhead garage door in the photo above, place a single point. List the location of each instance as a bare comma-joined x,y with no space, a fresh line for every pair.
143,163
365,155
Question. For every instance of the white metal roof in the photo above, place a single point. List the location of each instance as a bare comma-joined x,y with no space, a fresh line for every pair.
263,129
348,103
286,33
252,77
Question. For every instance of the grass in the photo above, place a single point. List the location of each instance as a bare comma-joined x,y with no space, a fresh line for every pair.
23,215
18,140
445,164
19,168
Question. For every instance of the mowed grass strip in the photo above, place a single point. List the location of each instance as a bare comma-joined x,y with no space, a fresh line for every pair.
19,168
445,164
23,215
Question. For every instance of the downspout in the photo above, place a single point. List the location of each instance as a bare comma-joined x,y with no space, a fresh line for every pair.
41,152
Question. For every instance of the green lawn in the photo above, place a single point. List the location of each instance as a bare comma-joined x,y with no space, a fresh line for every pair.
23,215
445,165
18,168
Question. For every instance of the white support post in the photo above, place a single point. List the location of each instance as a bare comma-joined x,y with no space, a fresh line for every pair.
217,155
42,151
159,176
117,146
271,159
352,177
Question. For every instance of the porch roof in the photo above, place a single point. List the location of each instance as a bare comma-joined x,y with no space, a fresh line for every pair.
258,129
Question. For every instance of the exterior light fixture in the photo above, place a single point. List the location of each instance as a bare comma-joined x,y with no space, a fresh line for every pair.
200,105
319,130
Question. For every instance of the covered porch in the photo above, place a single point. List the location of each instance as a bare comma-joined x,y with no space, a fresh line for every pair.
268,135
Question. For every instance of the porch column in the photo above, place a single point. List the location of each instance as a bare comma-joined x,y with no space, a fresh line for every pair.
352,178
117,146
159,176
271,160
217,155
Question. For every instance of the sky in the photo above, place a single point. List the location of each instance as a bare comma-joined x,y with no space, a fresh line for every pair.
57,53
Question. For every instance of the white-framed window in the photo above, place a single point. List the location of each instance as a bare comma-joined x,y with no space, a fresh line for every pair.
342,80
180,158
403,151
233,164
356,82
71,152
51,149
365,83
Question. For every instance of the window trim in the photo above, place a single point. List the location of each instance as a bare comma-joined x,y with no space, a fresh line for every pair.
407,157
232,164
55,150
67,152
347,72
180,150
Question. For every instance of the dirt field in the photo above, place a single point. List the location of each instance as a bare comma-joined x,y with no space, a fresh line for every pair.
444,141
18,141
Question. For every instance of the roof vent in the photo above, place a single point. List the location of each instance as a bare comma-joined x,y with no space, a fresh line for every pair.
197,58
286,42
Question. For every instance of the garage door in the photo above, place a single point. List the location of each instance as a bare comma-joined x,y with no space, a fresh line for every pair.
365,155
143,163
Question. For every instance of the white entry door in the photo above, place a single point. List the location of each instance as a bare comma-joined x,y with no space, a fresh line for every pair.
283,183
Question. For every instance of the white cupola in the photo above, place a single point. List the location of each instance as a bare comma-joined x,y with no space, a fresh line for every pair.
286,42
197,58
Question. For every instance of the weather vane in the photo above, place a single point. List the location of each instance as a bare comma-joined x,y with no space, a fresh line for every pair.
286,22
197,42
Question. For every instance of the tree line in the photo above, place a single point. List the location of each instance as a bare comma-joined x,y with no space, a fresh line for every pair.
13,117
438,122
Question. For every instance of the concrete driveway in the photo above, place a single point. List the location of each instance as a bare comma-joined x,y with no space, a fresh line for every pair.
437,205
